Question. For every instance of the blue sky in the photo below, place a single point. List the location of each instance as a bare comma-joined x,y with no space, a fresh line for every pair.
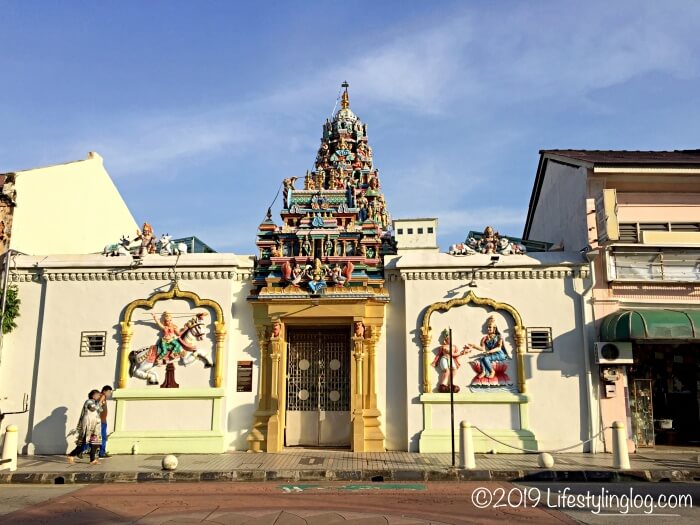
200,109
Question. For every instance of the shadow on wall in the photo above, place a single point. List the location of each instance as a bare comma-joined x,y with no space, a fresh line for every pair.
49,435
242,415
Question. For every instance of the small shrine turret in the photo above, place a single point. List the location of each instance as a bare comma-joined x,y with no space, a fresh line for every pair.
335,224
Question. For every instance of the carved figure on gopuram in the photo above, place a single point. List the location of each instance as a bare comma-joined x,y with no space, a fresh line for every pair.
288,185
309,183
340,220
306,247
328,247
320,178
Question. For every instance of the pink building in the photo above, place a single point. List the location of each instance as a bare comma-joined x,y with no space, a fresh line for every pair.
636,216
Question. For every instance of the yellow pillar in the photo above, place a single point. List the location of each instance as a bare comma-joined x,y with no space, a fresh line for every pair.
274,427
374,437
425,339
358,422
258,434
127,333
520,340
220,334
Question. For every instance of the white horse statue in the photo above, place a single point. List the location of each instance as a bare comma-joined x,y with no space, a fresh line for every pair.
144,360
168,247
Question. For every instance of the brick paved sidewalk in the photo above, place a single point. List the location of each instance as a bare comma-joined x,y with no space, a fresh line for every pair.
307,464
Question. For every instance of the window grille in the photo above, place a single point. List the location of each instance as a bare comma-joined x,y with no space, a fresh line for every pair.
539,340
92,344
630,232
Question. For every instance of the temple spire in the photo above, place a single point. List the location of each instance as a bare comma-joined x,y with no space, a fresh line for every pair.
345,100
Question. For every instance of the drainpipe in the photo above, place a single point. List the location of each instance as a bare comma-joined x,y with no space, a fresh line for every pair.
589,320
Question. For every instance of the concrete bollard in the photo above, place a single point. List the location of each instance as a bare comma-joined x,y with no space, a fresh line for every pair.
9,449
545,460
466,446
169,462
621,458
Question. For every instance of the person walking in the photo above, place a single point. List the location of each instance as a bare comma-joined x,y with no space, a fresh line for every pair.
92,399
104,396
89,434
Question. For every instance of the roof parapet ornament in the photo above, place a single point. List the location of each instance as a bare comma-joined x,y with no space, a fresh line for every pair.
345,99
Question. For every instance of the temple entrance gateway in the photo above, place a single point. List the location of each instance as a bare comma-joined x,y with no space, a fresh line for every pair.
318,387
321,269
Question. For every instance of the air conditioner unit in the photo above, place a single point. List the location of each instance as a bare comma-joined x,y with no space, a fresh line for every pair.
613,353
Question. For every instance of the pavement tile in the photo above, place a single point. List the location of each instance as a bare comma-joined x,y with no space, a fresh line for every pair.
327,518
315,464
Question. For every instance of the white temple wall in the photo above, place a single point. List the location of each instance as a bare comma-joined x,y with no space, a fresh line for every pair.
65,296
394,380
542,291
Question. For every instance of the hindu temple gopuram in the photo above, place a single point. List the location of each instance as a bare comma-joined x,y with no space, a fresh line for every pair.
319,278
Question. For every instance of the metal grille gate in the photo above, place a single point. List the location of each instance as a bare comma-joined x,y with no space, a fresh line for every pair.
318,388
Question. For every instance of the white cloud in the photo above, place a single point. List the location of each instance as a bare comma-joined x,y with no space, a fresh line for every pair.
469,62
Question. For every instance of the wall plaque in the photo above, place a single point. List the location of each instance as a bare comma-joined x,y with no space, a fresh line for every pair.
244,376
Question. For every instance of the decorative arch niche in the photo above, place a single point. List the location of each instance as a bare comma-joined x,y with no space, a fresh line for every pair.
174,293
470,298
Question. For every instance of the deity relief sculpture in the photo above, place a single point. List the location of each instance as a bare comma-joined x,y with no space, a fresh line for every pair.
297,275
442,363
341,276
148,240
490,242
168,342
275,251
173,344
317,221
489,365
316,275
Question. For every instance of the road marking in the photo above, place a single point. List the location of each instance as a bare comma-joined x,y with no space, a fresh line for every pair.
354,487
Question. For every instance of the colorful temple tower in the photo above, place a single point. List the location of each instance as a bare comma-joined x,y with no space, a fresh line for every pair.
318,296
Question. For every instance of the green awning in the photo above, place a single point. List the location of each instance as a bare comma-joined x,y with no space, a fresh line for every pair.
642,324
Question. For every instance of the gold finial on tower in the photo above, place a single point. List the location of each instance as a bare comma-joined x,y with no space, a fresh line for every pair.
345,99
